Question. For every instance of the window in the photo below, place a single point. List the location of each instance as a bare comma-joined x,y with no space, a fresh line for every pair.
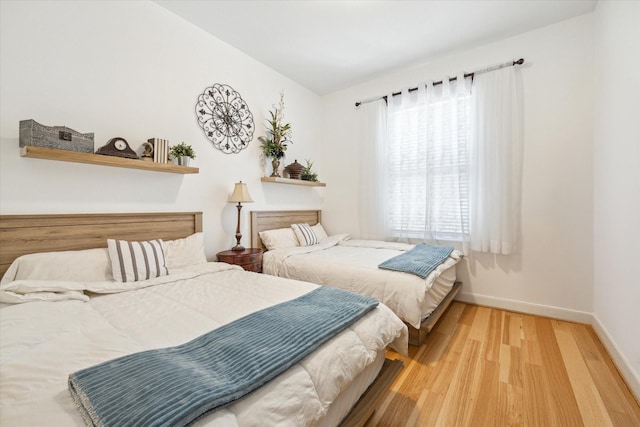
441,163
428,167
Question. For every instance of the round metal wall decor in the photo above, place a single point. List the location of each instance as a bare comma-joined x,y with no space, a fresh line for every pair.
225,118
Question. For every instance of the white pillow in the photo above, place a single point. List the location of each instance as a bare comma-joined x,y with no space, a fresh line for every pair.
135,261
181,253
280,238
89,265
305,234
319,230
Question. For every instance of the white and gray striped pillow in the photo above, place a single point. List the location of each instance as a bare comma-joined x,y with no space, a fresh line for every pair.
305,234
135,261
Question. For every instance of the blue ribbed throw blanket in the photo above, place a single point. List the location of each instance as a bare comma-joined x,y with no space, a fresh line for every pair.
176,385
420,260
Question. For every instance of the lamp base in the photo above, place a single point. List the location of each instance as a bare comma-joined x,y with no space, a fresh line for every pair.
238,247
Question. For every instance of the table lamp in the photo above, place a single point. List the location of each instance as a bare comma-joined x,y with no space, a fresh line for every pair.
240,195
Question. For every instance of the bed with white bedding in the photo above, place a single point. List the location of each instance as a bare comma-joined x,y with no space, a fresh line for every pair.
56,320
352,265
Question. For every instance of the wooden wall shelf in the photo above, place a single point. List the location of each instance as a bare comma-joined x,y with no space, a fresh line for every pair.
292,181
98,159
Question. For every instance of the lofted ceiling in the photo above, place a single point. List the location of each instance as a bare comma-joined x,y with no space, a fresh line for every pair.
331,45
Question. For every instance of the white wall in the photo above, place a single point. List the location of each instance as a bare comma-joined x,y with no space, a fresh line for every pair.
552,274
135,70
617,183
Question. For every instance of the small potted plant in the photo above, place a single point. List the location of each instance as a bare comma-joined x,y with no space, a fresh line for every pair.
182,154
308,174
278,136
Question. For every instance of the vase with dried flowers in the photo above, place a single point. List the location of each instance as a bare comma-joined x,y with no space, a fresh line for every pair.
278,137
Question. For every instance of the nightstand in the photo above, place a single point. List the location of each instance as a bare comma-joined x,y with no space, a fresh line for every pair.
250,259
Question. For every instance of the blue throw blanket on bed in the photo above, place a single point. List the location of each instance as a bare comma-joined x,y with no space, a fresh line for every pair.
176,385
420,260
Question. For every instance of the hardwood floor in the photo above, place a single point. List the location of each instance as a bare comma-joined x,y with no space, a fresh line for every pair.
487,367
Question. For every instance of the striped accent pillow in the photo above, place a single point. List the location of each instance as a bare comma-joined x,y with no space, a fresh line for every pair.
305,234
135,261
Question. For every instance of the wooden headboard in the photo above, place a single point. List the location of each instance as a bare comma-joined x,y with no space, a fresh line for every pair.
26,234
269,220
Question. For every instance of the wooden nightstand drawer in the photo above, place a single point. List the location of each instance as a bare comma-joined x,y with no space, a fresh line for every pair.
250,259
255,267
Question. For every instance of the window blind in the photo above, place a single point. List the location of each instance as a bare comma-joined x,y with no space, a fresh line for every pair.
428,169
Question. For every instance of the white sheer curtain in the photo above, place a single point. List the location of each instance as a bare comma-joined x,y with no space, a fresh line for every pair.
428,163
443,164
496,161
373,176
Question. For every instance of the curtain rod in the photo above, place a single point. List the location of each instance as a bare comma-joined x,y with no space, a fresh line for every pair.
451,79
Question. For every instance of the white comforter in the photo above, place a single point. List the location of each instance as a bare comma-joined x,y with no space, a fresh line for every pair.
43,342
352,265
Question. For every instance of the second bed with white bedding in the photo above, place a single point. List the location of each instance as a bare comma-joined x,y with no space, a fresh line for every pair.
353,265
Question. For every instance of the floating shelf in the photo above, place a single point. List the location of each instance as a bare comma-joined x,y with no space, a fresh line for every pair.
292,181
99,159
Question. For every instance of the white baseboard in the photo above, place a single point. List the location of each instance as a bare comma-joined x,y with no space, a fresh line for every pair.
631,377
527,307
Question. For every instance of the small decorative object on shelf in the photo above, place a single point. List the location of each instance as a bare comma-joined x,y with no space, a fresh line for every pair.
182,154
34,134
225,118
278,136
147,155
118,147
308,174
295,170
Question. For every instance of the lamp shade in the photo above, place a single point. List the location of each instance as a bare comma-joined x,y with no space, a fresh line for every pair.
240,194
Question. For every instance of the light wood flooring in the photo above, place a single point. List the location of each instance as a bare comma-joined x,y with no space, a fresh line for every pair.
488,367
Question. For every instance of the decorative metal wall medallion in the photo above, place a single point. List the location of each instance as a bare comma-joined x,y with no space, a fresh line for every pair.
225,118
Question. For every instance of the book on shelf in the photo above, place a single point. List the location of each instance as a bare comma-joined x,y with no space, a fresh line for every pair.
160,150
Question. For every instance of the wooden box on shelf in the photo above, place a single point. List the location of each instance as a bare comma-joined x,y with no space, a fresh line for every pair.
34,134
250,259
